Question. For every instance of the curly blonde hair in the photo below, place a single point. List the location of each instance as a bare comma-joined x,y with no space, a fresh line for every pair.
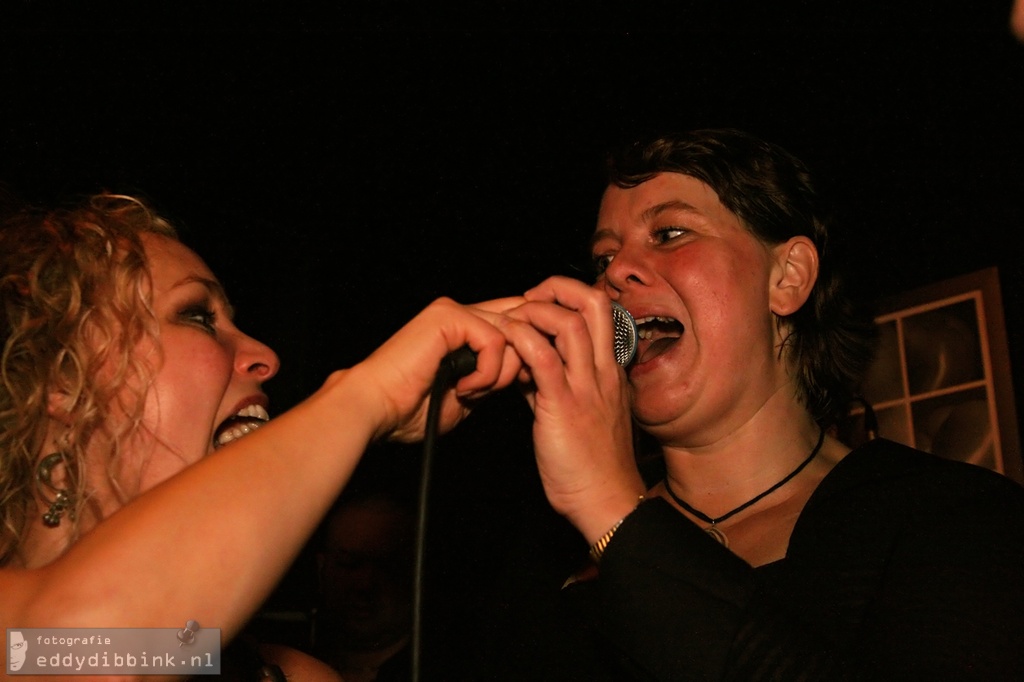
74,289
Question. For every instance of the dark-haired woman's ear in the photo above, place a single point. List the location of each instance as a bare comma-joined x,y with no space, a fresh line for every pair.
794,273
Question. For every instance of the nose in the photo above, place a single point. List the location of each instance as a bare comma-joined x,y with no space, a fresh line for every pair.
627,269
253,358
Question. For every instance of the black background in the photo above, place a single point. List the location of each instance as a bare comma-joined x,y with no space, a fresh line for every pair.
339,168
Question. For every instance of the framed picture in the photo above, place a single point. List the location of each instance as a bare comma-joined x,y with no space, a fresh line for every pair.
940,380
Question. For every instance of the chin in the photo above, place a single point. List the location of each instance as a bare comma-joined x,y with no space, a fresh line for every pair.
653,422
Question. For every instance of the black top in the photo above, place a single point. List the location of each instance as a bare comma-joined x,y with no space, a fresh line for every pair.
902,566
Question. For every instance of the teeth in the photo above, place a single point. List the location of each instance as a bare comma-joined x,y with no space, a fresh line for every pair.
256,411
252,416
236,432
645,320
649,333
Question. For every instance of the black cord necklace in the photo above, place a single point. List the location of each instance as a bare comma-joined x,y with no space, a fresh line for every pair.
713,530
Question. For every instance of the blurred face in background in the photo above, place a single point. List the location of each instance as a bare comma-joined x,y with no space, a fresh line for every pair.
366,574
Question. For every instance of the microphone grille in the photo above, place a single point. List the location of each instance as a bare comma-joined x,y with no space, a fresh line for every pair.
625,334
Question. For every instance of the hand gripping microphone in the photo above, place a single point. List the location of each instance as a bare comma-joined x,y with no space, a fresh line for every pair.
458,364
461,362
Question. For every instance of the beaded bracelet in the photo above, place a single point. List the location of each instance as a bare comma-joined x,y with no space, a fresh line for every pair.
597,549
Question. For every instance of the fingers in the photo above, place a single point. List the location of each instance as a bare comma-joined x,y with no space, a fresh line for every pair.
549,335
575,318
593,304
474,326
552,341
499,305
495,369
402,371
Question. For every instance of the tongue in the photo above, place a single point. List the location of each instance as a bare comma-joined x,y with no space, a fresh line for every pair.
658,347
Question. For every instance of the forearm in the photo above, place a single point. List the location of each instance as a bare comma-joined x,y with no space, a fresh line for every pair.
210,543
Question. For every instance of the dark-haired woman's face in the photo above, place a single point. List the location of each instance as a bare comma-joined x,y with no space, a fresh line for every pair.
697,281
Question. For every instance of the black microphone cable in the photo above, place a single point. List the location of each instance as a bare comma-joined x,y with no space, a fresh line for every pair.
453,367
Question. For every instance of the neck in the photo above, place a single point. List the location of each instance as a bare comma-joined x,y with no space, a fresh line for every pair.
718,475
756,498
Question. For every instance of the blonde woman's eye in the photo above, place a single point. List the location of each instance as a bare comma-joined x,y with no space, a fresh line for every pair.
204,317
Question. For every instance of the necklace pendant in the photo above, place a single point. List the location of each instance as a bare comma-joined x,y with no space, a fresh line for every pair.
718,535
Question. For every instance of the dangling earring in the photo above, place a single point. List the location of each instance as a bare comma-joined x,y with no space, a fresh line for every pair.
62,500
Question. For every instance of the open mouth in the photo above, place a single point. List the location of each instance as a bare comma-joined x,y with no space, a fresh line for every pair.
656,335
243,422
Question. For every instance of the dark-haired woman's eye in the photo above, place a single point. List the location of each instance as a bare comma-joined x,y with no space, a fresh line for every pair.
601,263
667,234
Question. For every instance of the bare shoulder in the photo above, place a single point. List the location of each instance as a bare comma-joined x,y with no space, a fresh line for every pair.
298,665
19,588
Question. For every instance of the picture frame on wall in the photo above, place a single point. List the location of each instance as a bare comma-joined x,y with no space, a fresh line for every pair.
940,380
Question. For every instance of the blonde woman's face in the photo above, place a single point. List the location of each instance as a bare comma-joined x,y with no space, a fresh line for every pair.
207,390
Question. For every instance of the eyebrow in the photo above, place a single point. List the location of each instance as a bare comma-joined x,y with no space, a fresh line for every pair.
648,215
215,289
673,205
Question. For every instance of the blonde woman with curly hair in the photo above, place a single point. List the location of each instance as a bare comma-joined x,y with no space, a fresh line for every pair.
128,395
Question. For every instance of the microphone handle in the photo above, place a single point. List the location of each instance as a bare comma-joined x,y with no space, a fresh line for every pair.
456,365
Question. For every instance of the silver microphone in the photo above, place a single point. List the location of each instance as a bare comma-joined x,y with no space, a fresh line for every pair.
625,334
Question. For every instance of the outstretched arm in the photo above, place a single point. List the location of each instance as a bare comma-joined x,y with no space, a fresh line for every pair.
210,543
